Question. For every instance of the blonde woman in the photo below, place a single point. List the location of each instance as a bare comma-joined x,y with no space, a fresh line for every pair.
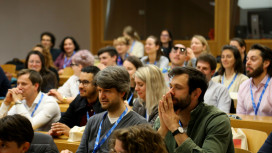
199,45
150,87
121,45
136,46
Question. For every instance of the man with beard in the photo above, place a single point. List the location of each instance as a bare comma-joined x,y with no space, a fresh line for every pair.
185,122
254,95
85,105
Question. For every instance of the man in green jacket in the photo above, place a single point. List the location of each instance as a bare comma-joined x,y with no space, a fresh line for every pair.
186,123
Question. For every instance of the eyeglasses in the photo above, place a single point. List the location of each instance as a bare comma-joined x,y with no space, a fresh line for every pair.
72,64
182,50
84,82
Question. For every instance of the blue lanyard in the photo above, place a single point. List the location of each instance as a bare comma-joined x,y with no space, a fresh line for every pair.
222,82
132,46
97,143
261,97
119,61
180,123
37,105
88,116
130,99
66,62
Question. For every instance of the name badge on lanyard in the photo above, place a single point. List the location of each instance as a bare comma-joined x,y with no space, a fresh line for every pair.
222,82
98,144
256,108
37,105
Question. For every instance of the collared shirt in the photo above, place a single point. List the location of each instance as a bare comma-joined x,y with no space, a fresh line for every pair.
218,96
70,87
235,86
47,113
244,102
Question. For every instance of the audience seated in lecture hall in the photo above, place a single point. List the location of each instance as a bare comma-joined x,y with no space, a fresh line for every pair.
136,46
154,53
35,61
137,139
185,122
107,57
216,94
254,95
48,42
150,87
42,110
111,97
17,136
69,90
122,45
85,105
166,42
69,47
199,45
132,63
48,59
231,70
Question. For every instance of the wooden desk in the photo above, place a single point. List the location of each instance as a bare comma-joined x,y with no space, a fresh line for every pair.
63,107
262,123
63,144
63,79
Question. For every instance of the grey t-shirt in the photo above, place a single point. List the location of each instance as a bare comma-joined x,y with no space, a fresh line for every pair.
91,130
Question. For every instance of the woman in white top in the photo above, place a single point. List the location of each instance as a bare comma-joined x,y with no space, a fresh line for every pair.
136,47
231,70
154,53
69,90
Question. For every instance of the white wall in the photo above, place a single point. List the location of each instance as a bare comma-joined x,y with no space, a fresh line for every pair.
22,22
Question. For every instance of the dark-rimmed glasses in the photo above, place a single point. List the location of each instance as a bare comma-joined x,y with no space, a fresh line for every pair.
84,82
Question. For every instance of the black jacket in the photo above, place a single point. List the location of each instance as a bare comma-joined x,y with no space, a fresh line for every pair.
77,109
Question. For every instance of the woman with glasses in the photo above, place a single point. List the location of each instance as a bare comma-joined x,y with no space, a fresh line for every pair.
166,42
48,59
35,61
69,47
154,53
150,87
69,90
121,45
231,69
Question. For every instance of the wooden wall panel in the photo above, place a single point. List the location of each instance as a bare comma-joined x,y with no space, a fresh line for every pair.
221,26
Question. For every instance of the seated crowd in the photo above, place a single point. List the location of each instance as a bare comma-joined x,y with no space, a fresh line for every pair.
171,100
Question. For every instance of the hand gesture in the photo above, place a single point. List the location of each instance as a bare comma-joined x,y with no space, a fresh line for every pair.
167,113
58,129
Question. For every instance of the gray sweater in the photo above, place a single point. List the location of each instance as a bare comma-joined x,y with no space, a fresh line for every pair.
91,130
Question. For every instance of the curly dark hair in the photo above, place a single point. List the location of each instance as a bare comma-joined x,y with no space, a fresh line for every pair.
139,138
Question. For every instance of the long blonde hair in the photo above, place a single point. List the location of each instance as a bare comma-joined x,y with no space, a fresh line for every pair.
155,85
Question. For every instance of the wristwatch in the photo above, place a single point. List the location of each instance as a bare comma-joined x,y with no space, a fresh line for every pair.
177,131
